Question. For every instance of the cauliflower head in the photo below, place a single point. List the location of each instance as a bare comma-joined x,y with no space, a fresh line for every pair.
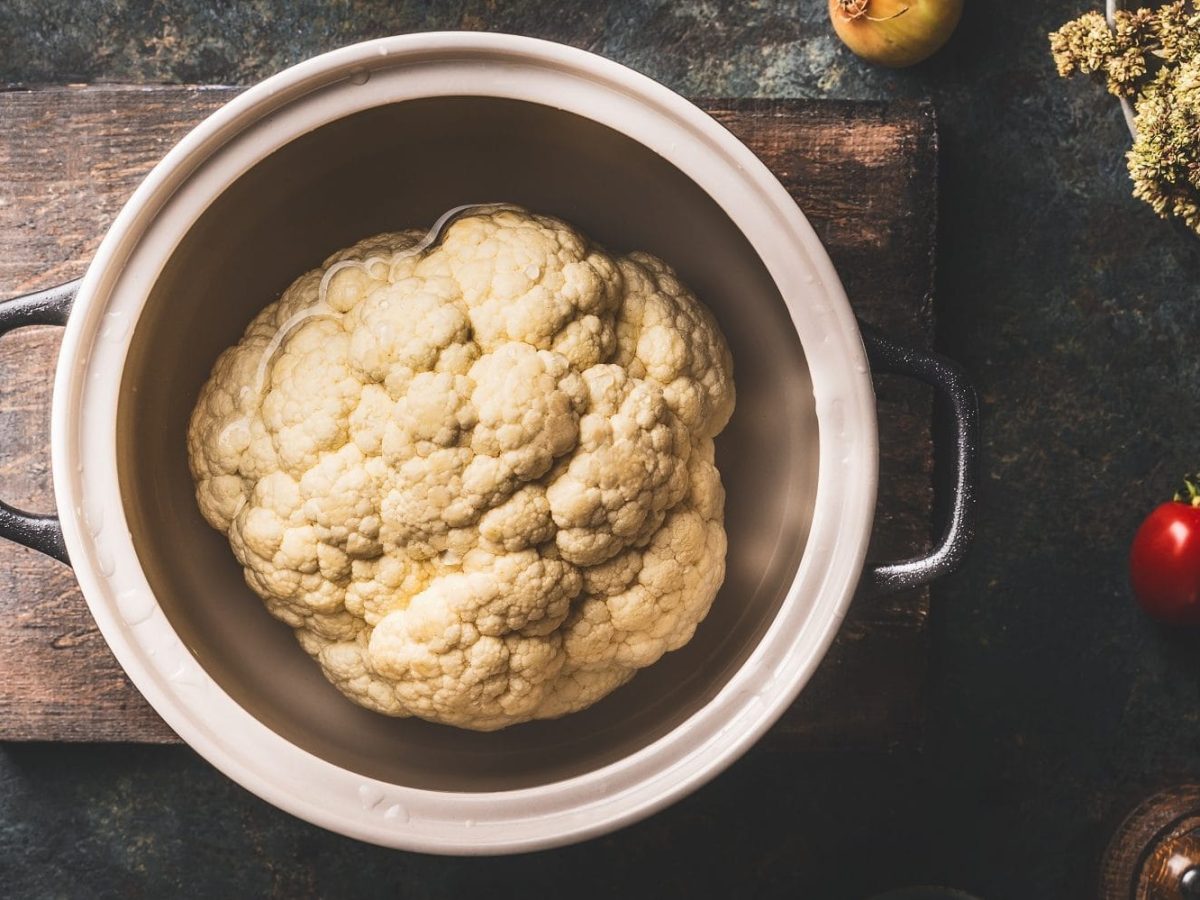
474,469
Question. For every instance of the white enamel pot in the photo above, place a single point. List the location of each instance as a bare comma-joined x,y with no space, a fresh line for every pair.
389,134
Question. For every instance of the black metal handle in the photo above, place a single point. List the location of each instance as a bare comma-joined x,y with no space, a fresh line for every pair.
49,307
948,379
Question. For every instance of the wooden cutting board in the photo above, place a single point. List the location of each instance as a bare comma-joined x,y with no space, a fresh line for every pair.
864,173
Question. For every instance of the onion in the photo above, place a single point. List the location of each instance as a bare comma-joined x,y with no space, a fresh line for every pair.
895,32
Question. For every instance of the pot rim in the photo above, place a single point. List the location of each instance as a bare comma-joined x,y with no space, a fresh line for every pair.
96,532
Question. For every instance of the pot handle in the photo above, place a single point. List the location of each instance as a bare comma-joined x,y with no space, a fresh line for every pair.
948,379
37,531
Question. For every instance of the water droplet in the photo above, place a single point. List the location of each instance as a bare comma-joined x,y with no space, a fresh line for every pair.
396,813
186,674
836,413
105,562
235,437
94,515
116,326
360,76
135,606
168,657
370,796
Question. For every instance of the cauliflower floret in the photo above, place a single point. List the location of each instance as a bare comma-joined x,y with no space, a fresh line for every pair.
664,335
642,604
479,647
528,402
310,395
460,445
407,327
629,470
531,279
523,520
474,470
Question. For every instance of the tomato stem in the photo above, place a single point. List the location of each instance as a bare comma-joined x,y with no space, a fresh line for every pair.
1190,494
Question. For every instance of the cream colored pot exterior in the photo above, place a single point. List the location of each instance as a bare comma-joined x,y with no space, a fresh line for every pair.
97,534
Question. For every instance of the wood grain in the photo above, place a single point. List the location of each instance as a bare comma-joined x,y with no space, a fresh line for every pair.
864,173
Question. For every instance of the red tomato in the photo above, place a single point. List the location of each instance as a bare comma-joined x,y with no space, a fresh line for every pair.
1164,564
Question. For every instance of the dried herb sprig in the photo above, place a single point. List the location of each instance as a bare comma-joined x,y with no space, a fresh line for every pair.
1152,57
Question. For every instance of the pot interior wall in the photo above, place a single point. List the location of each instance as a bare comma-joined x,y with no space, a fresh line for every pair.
401,166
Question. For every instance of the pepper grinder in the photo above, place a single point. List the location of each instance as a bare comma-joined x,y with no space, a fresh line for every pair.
1155,853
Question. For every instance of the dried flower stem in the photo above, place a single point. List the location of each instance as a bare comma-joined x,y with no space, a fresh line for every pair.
857,9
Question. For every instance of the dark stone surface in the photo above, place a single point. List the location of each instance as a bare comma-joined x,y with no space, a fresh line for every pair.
1054,704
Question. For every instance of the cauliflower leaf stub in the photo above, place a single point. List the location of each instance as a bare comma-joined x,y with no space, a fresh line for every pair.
476,477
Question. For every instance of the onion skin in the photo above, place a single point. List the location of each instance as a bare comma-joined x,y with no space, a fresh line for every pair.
895,33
